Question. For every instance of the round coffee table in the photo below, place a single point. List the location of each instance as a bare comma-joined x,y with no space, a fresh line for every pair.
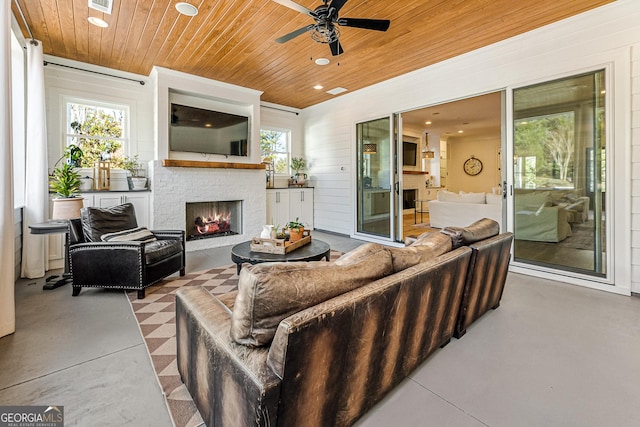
314,251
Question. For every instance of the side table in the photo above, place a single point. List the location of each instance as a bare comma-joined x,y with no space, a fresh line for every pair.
55,226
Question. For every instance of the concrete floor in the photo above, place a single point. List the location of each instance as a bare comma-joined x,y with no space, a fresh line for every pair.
551,355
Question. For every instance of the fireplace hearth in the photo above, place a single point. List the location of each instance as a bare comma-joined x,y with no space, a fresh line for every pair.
206,220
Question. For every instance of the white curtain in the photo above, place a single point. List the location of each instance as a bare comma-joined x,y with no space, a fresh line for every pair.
36,200
7,235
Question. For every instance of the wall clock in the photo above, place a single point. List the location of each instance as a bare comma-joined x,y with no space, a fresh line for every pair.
472,166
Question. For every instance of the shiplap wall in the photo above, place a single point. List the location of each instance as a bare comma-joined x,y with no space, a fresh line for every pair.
602,37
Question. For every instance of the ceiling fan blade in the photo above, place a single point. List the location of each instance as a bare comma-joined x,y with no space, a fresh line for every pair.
295,6
337,5
294,34
368,24
336,48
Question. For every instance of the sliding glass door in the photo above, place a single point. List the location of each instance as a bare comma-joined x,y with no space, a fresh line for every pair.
375,197
559,174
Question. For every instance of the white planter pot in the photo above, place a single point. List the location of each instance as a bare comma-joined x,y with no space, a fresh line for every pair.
66,208
138,183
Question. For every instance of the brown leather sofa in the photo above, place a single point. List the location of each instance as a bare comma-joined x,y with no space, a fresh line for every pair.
272,354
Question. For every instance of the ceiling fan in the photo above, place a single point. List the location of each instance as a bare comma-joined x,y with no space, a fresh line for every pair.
325,29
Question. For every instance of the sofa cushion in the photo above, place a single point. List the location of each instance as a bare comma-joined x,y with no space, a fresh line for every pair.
426,247
477,198
99,221
448,196
479,230
494,199
138,234
532,201
270,292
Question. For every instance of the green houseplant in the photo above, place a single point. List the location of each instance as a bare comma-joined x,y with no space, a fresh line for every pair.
134,167
296,230
298,164
64,181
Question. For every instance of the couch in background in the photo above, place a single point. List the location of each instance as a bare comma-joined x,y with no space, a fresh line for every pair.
461,209
538,218
318,343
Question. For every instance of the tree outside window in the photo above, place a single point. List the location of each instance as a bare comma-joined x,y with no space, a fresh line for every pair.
274,146
545,147
100,131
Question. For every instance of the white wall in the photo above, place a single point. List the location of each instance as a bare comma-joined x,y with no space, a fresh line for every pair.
603,37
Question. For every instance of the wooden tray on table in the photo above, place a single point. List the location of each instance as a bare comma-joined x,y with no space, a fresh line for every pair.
278,246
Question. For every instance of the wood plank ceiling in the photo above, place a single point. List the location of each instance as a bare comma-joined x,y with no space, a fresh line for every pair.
233,40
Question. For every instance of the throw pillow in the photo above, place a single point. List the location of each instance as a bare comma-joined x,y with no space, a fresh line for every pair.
479,230
138,234
426,247
494,199
478,198
271,292
448,196
98,221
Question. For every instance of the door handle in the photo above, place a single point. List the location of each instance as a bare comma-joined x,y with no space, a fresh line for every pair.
504,189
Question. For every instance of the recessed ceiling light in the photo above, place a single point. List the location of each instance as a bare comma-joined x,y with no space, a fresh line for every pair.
322,61
186,9
460,131
336,91
428,122
317,87
97,22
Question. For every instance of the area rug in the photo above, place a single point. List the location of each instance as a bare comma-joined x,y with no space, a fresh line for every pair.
157,321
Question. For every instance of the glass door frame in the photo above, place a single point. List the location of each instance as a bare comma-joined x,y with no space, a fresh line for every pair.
392,164
509,208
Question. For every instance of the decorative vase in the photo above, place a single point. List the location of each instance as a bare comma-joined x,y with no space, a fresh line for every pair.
300,178
138,183
267,232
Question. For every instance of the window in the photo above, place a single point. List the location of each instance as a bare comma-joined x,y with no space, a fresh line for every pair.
274,146
100,130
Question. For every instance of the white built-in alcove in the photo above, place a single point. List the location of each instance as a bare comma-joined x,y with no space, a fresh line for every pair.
174,187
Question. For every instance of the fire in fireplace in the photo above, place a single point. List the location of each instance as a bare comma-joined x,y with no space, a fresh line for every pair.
213,219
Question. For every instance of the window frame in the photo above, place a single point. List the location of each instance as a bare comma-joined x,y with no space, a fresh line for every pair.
126,139
286,153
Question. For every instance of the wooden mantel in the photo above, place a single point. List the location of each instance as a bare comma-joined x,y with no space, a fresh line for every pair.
219,165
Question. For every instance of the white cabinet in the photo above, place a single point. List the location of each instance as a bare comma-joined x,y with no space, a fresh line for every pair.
277,207
301,205
287,204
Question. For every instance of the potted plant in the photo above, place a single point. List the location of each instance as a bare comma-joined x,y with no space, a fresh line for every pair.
134,167
298,164
296,230
65,182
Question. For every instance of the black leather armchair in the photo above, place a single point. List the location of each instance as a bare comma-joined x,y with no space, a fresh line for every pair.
130,265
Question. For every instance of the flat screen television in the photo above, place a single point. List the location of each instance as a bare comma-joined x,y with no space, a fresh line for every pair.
198,130
409,153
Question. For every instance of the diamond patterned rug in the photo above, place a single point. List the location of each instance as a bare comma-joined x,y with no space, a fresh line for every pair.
157,321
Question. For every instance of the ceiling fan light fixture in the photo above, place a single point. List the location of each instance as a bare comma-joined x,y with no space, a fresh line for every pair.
322,61
97,22
186,9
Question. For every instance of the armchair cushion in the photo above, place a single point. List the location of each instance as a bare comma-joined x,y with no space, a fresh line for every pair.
99,221
158,250
138,234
